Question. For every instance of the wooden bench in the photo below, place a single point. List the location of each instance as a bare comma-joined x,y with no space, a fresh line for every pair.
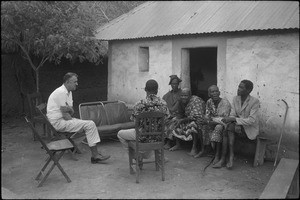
284,182
261,143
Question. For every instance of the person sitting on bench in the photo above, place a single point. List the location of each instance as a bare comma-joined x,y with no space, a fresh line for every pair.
242,122
172,99
216,109
189,125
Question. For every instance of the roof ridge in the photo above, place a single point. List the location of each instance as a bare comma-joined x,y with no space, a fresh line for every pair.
121,17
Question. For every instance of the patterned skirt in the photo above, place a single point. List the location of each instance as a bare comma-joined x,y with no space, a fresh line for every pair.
185,131
215,132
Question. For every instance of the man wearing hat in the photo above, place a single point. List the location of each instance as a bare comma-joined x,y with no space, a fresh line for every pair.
172,99
151,102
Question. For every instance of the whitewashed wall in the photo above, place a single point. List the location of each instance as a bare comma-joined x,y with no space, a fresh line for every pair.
125,82
271,62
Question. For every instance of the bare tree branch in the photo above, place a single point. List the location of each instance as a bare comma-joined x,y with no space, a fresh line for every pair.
104,15
24,50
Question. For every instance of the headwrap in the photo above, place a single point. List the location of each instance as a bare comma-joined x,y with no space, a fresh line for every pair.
172,77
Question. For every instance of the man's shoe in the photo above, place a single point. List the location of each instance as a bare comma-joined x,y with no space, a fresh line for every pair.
98,160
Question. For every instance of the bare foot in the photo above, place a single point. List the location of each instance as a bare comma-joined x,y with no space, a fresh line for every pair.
176,147
216,159
192,153
200,154
229,165
219,164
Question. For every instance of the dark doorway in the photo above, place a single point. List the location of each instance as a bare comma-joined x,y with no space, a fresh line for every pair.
203,70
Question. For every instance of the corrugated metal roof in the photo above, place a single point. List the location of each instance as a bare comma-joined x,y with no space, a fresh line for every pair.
166,18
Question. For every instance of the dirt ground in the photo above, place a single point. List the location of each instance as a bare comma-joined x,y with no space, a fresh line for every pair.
22,158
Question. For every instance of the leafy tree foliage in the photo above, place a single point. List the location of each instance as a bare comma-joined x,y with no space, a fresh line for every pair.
51,30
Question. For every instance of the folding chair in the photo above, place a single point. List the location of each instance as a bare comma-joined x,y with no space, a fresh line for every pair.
35,99
51,148
148,125
58,135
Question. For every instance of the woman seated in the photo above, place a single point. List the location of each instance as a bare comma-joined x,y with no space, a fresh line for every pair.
172,99
189,125
216,109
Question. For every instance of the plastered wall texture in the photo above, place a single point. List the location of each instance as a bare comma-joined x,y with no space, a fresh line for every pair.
125,81
270,61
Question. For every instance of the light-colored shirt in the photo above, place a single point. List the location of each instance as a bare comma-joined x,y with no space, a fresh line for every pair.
59,97
246,115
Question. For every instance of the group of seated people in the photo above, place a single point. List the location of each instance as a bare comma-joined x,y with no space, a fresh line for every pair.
187,117
215,123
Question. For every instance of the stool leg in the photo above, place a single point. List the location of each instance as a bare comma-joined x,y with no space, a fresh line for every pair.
137,167
130,155
34,137
162,165
156,160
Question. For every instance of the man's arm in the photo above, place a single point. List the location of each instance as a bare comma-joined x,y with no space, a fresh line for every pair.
245,121
252,117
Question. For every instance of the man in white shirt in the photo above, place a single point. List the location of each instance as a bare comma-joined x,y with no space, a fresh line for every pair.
60,111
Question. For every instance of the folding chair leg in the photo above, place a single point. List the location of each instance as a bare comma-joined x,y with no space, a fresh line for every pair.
130,155
61,169
137,167
162,159
45,177
44,130
34,138
55,162
43,169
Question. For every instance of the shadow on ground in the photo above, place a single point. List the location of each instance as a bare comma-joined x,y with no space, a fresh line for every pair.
22,158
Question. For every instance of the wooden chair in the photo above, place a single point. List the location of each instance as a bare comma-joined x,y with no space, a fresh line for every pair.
59,146
147,125
59,135
35,99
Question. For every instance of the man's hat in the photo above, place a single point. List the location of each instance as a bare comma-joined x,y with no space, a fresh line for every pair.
151,85
172,77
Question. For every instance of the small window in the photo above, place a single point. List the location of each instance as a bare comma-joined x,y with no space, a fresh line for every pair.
143,59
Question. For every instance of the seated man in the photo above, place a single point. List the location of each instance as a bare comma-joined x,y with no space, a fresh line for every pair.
189,125
153,103
172,99
242,122
60,111
216,109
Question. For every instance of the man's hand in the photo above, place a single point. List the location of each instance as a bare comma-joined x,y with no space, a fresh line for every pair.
227,120
66,116
67,109
67,112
